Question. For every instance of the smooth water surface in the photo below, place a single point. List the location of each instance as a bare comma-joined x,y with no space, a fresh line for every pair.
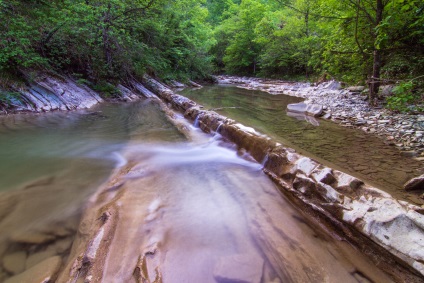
349,150
199,211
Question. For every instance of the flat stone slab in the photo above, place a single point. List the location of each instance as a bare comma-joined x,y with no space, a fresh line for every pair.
243,268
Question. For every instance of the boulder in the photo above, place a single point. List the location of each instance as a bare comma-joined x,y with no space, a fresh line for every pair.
309,109
416,183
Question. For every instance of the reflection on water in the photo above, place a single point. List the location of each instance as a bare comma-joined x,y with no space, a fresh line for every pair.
350,150
200,212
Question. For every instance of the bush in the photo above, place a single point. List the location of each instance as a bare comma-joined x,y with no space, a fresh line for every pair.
405,95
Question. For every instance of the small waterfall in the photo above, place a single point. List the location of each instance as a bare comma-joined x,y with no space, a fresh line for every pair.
219,127
264,161
196,121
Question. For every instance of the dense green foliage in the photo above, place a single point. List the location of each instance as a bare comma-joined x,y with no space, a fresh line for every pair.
356,41
303,37
106,39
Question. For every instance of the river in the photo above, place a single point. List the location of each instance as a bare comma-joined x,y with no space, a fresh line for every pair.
349,150
198,210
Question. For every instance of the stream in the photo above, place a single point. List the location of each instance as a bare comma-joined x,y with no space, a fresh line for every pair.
198,210
349,150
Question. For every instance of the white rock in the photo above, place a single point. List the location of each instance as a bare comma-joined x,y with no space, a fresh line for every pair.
306,165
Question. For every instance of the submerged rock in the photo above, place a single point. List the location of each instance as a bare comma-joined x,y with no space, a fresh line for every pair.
239,269
308,109
416,183
43,272
14,263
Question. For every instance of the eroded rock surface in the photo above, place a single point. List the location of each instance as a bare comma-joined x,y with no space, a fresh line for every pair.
333,194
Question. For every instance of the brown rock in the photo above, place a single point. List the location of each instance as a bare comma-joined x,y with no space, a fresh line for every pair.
14,263
305,185
31,237
416,183
36,258
42,272
324,176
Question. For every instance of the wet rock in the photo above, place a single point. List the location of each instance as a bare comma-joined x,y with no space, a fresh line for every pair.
347,183
324,176
14,263
31,237
390,222
416,183
239,269
40,273
308,109
306,166
36,258
143,90
329,193
304,185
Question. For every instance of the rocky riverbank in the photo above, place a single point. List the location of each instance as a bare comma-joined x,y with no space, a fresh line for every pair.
349,108
371,219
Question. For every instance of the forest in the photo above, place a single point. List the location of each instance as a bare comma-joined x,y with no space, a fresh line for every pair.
370,42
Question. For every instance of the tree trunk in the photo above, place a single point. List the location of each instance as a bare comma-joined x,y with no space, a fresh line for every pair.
106,39
374,82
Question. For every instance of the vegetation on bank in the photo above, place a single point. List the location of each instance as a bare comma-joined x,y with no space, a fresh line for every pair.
369,42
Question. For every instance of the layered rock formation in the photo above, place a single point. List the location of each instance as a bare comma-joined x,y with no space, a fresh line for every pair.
49,93
370,218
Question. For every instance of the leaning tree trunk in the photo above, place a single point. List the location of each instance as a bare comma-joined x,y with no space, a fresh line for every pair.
374,82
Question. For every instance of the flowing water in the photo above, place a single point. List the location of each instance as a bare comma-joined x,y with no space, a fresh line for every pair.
200,212
349,150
